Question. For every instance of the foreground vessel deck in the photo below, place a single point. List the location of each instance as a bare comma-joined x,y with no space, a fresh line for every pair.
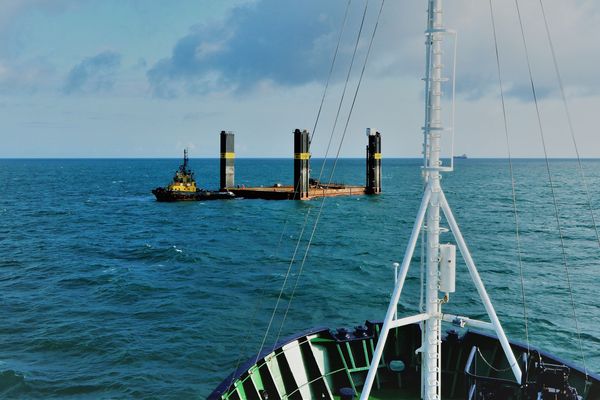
319,363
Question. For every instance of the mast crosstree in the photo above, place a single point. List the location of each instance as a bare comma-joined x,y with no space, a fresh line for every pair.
434,204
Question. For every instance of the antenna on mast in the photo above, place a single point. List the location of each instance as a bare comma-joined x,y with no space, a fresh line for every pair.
433,201
184,167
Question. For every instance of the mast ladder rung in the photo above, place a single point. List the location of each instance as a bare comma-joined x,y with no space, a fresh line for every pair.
435,79
428,129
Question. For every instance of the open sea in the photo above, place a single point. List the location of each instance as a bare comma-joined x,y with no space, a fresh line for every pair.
106,293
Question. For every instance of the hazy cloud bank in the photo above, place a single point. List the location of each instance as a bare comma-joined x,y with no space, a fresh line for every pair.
287,43
292,43
93,74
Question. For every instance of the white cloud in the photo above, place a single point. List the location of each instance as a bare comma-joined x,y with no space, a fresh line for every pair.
236,50
390,98
11,9
27,76
572,26
3,71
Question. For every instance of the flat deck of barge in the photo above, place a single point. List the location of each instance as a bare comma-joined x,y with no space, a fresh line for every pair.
287,192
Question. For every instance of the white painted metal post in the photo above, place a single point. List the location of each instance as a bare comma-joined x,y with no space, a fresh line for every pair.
480,288
431,356
396,266
433,200
389,316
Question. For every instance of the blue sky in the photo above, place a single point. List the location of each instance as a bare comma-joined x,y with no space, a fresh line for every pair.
145,78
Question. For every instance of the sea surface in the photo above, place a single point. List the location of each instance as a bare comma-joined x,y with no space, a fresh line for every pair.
105,293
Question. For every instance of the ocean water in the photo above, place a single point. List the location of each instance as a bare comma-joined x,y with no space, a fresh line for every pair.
105,293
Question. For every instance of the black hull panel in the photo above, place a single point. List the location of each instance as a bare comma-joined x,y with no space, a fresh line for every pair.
320,363
164,195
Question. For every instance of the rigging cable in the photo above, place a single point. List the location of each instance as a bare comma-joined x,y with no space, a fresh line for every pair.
267,282
293,259
569,121
550,181
422,274
335,54
358,37
339,109
512,177
316,223
490,364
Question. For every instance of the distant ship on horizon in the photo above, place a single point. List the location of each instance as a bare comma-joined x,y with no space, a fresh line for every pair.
460,157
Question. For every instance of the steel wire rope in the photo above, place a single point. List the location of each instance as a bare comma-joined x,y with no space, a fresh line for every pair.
316,223
569,121
490,365
293,259
264,287
257,306
551,183
512,177
341,102
422,273
329,75
359,35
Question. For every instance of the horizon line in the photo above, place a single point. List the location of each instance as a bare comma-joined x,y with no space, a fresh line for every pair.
283,158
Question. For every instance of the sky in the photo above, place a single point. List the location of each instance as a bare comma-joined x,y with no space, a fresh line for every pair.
146,78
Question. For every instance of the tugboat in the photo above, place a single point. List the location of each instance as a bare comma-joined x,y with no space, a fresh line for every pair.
183,187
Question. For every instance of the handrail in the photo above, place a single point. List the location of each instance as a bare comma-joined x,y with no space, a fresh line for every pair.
485,378
473,380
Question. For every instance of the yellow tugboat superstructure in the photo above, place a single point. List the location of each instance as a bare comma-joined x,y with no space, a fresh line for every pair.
183,187
183,181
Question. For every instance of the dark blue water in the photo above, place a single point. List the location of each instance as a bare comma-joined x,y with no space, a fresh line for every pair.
105,293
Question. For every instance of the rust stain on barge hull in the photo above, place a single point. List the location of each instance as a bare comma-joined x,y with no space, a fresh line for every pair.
287,192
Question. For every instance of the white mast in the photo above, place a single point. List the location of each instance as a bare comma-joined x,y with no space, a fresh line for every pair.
431,346
433,200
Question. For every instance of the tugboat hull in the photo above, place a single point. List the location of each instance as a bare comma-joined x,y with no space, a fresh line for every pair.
165,195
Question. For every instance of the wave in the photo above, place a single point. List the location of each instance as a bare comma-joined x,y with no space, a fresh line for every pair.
11,383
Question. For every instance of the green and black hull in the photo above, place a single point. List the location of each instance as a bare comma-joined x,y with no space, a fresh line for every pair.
325,364
166,195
